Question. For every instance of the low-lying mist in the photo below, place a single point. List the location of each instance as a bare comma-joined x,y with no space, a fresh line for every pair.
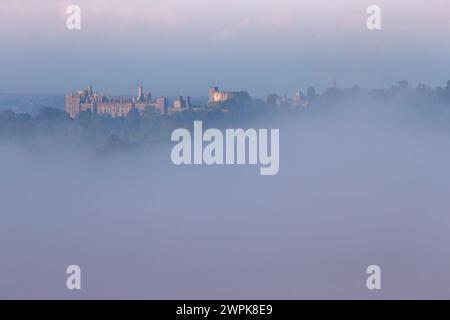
358,185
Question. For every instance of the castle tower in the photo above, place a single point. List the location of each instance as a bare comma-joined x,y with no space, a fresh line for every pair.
212,93
297,98
140,96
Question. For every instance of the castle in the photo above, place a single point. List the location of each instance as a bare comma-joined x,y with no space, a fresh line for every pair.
216,96
118,106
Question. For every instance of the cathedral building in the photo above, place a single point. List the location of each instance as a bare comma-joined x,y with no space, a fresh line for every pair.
98,103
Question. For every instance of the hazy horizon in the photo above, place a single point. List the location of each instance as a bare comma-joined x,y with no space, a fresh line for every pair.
174,47
89,181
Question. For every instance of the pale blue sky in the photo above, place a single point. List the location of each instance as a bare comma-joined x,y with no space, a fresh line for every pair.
182,47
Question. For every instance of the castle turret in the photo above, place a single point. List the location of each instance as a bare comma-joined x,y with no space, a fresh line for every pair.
140,96
212,93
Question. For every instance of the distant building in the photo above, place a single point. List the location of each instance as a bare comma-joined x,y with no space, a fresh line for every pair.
216,96
187,102
275,100
87,99
142,97
297,99
178,103
120,106
182,103
162,104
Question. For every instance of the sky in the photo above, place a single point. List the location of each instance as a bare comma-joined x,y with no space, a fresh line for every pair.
183,47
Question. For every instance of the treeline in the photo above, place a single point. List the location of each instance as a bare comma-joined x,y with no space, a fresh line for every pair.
52,128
